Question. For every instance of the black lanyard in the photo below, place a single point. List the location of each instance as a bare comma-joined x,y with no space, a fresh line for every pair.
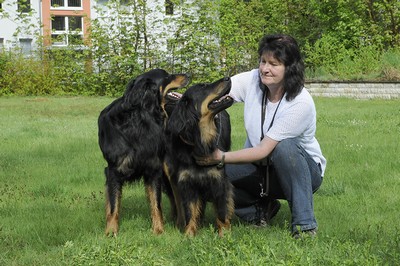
263,109
265,176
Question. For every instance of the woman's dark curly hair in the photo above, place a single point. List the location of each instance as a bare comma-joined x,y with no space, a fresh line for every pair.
284,48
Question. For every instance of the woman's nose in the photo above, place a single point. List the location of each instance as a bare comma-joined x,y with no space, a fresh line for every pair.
264,67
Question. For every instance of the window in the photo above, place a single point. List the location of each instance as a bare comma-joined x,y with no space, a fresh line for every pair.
24,6
26,45
169,7
67,30
58,24
57,3
66,3
75,23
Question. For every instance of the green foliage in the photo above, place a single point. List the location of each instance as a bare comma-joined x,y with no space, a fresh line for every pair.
329,59
391,64
59,72
118,45
71,68
25,76
340,40
192,47
240,26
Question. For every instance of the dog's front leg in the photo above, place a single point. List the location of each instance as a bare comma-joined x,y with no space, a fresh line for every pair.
193,217
180,212
224,208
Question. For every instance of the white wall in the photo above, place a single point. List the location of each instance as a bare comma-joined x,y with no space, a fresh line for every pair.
12,22
154,19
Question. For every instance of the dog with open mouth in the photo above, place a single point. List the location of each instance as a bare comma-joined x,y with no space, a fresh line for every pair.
131,132
197,126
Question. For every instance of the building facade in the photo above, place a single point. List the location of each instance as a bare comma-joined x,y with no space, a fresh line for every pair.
17,24
65,22
27,24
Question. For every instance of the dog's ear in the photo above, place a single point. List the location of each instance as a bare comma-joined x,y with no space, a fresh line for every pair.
128,94
142,92
183,120
150,97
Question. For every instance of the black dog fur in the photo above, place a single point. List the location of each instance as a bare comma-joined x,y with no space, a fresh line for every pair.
197,126
132,140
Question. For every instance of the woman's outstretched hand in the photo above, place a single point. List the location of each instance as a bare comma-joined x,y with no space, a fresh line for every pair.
212,159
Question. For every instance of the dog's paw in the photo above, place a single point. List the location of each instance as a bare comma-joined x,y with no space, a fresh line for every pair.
158,230
112,229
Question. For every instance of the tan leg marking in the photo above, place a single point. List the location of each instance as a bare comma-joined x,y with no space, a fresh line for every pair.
156,212
192,227
112,218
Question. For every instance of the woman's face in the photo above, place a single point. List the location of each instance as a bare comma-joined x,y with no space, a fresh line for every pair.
271,71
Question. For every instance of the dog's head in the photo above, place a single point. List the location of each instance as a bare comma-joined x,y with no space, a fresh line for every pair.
151,88
193,119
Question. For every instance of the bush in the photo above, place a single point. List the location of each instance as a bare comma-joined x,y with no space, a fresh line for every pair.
391,65
56,72
25,76
65,72
329,59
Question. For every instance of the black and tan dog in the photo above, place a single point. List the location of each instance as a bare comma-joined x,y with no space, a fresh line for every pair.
132,139
197,126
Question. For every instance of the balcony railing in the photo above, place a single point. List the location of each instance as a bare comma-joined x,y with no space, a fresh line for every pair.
66,3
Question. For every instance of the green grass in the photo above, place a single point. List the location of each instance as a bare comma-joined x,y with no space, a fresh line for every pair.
52,194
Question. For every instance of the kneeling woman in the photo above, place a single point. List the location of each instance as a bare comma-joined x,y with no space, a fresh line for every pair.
282,158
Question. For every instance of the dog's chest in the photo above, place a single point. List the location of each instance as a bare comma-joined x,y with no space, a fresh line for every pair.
200,176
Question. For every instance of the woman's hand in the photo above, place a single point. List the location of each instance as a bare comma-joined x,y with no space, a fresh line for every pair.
212,159
247,155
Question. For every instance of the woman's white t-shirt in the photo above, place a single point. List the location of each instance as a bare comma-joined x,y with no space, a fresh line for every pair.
293,119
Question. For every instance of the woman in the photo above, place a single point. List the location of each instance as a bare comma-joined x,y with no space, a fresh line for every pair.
282,159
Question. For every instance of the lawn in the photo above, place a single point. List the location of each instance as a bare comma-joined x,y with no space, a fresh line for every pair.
52,194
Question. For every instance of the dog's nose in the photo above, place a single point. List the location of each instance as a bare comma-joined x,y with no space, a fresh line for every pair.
227,78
